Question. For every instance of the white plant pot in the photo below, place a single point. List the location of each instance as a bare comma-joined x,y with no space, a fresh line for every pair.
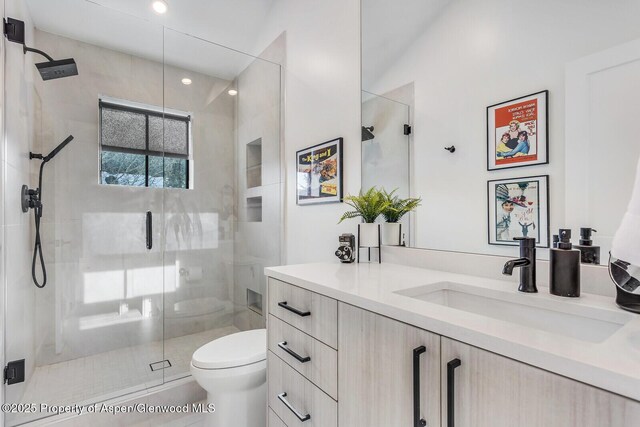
369,235
391,234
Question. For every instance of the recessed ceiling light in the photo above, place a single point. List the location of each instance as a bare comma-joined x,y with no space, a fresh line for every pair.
160,6
186,81
232,92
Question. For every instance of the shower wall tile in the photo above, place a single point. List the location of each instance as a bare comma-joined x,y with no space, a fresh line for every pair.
258,244
15,178
19,127
20,294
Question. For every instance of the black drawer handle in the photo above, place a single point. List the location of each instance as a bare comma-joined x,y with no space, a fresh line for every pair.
418,421
284,305
451,391
283,345
301,417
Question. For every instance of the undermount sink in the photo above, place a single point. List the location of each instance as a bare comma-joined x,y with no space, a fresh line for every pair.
538,311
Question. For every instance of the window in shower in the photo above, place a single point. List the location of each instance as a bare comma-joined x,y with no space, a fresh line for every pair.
143,147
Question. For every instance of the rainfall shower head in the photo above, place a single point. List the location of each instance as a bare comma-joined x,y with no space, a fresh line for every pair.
367,133
57,69
14,32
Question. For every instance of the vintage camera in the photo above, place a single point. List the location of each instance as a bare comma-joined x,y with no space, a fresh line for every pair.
346,252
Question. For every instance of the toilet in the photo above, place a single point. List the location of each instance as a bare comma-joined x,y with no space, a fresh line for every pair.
233,371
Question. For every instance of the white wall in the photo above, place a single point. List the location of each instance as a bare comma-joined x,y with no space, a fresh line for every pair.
322,101
462,64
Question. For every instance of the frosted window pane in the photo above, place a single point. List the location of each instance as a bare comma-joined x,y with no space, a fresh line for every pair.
123,129
175,136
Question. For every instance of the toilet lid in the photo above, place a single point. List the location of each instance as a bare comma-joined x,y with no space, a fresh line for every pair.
239,349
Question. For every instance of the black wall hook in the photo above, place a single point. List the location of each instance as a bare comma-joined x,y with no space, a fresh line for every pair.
451,149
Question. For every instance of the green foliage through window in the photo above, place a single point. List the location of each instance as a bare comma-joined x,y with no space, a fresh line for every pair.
143,148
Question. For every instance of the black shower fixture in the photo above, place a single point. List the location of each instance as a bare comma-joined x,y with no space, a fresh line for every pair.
367,133
32,199
52,69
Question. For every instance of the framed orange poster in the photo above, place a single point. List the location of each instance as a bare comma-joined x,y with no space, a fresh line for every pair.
518,132
319,173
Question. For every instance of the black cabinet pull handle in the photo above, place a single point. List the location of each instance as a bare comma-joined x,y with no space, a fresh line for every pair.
451,391
417,420
149,230
301,417
283,345
284,305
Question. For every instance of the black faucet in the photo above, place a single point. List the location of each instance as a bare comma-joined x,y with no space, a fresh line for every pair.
526,263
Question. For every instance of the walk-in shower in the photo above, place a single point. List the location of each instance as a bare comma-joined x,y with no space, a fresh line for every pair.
117,315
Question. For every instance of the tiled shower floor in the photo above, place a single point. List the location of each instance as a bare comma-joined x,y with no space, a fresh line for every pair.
106,375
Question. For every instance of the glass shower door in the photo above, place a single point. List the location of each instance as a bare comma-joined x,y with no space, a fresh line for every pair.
95,331
224,228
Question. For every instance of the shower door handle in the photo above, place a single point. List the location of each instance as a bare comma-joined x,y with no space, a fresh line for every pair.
149,229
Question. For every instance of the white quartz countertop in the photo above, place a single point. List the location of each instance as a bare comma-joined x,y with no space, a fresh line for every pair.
613,364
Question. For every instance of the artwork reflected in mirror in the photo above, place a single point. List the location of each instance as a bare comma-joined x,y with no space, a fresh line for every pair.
447,68
519,207
517,132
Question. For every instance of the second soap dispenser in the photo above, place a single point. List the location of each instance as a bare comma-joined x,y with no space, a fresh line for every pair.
590,253
564,267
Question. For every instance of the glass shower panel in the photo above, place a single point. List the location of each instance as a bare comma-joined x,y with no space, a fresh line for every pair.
386,148
96,328
215,249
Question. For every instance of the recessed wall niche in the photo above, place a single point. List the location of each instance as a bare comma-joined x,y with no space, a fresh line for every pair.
254,209
254,163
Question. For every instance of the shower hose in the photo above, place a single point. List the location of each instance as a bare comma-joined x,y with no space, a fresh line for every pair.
37,246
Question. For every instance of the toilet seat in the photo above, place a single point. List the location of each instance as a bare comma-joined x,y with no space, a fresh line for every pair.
232,351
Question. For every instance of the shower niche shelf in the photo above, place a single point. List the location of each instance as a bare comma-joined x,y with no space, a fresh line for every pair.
254,163
254,209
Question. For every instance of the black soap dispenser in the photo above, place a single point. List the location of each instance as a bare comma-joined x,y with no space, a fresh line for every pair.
564,267
589,254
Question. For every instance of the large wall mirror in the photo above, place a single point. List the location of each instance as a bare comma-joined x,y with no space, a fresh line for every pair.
541,101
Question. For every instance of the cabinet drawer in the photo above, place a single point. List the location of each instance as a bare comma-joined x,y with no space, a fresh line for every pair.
315,360
296,400
274,421
312,313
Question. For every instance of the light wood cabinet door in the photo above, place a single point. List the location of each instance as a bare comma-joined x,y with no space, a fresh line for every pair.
376,371
493,391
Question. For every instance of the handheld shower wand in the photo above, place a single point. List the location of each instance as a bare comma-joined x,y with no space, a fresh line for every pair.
32,199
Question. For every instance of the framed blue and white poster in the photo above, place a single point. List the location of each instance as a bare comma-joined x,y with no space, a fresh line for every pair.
519,207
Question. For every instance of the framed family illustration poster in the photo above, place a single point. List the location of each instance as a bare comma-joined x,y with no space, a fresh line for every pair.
319,173
519,207
517,132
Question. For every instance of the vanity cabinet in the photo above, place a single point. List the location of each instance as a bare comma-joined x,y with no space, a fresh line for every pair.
483,389
378,361
302,374
333,364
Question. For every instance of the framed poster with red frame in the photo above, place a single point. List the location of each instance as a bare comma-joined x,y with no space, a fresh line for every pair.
518,132
319,173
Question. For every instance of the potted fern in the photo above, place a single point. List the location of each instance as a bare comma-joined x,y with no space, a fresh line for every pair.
393,213
368,206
